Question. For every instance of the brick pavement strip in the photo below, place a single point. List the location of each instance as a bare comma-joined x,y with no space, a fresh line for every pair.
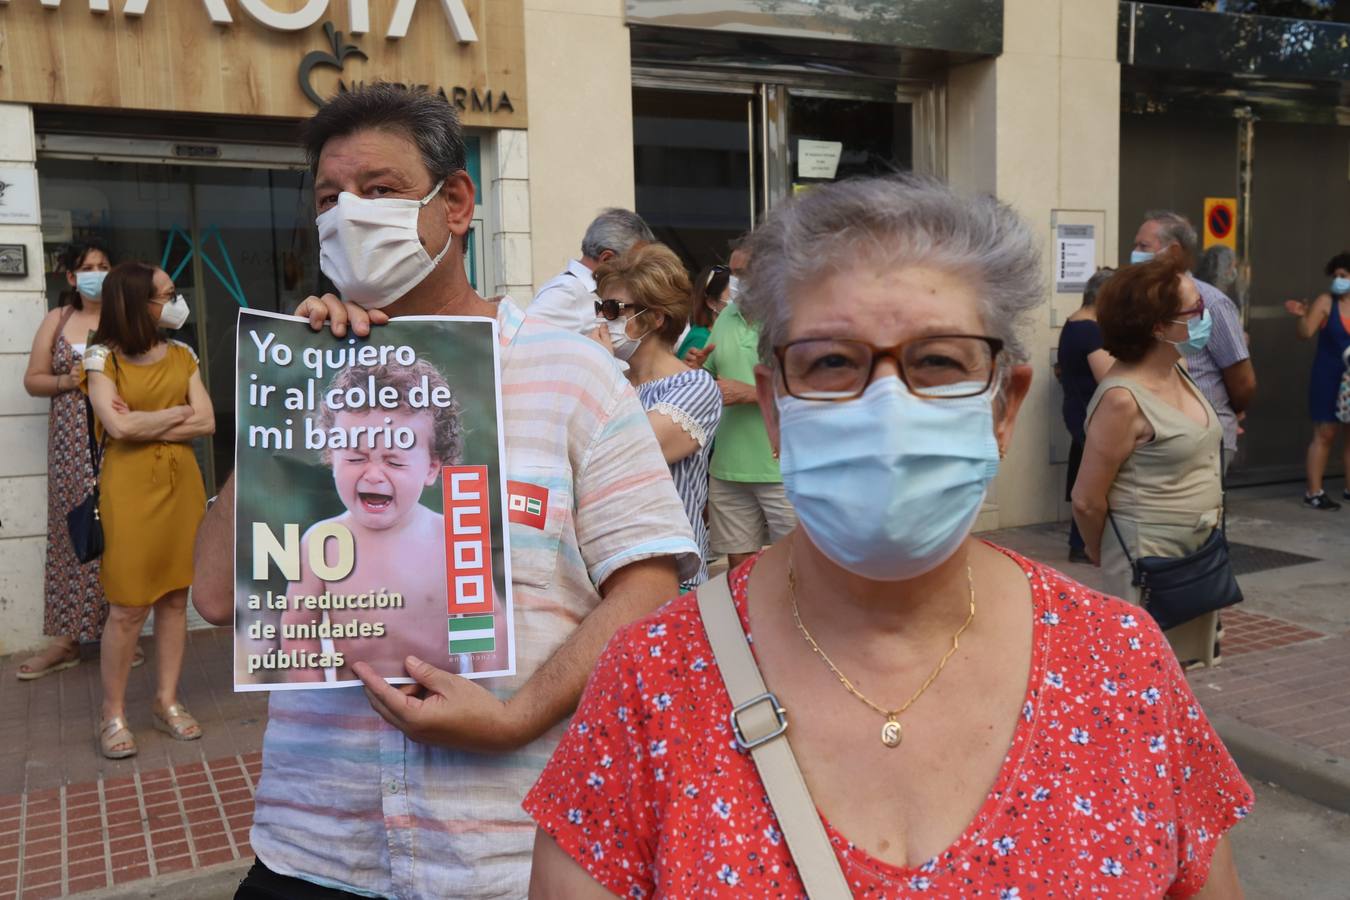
85,837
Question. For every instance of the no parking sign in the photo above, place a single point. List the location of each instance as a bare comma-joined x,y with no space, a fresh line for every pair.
1221,222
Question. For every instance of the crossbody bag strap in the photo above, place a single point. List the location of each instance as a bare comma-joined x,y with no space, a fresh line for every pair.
1223,492
759,723
1123,549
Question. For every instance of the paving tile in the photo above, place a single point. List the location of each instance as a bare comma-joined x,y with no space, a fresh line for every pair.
86,867
87,883
179,863
215,857
43,893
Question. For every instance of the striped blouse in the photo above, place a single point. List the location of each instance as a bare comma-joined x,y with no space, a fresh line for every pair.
694,402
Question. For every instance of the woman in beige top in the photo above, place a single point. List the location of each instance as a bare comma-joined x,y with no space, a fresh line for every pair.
1152,455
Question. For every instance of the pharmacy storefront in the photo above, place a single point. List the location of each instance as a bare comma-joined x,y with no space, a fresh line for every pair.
166,131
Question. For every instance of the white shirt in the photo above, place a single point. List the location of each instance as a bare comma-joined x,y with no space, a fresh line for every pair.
567,300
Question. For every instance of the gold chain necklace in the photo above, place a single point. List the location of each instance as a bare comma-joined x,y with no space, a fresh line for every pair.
891,733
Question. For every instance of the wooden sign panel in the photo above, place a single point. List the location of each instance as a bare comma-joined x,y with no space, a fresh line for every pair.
262,57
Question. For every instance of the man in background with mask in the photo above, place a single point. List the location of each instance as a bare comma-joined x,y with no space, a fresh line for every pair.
1216,353
747,506
393,793
568,299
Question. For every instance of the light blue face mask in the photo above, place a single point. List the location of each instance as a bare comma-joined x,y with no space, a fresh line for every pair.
90,284
1340,285
1197,334
887,485
1140,256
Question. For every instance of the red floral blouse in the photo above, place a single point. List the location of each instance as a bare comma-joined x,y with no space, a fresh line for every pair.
1115,784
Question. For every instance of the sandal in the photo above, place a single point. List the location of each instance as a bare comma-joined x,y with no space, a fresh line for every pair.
110,738
29,672
139,658
177,723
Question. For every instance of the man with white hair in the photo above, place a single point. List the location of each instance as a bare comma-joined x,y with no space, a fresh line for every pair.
1223,367
568,299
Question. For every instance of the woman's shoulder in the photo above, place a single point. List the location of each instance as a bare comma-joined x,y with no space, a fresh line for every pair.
178,348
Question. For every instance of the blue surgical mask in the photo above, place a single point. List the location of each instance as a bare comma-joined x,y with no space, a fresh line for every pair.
1140,256
1197,334
90,284
1340,285
887,485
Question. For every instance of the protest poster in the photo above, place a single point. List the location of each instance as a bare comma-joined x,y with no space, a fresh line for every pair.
369,502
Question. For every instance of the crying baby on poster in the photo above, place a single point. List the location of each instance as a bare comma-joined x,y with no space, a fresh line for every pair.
372,583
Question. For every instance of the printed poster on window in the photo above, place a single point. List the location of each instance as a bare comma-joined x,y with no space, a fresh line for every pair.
369,520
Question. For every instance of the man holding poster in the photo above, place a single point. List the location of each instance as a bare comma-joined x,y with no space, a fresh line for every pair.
416,792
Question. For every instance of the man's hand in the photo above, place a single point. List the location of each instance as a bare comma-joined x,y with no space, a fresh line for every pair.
450,712
339,314
694,357
734,391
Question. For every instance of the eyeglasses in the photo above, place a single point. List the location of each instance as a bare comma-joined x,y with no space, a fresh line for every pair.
1197,310
937,367
612,309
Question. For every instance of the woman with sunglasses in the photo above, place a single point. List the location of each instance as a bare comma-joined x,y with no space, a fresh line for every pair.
969,723
644,310
1152,458
709,296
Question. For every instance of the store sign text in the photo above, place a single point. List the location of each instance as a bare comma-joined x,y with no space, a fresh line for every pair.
313,10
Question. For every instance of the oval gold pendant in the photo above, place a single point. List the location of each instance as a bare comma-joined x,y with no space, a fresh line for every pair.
890,733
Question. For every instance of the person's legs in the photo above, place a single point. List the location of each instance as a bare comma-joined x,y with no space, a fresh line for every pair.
1345,459
778,513
1076,546
119,645
261,883
62,653
170,642
1319,450
736,526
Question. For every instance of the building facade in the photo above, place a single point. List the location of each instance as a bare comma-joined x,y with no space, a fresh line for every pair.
167,131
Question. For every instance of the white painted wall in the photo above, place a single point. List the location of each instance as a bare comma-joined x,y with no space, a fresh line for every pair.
1040,126
579,86
23,419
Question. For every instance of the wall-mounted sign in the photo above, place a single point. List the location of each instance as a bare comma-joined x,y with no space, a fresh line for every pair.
818,159
239,57
1221,222
13,260
18,196
1075,257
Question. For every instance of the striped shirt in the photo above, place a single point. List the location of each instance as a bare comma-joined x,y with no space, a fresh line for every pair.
693,401
348,801
1226,348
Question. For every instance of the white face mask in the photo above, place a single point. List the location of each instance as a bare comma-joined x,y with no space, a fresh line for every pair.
370,248
173,314
733,288
624,346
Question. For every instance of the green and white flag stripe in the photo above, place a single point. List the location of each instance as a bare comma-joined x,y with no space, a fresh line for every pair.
472,634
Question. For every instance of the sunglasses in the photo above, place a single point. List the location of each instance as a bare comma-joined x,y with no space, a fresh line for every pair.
612,309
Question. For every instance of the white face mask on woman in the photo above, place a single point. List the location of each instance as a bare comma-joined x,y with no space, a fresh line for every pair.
174,313
371,250
624,346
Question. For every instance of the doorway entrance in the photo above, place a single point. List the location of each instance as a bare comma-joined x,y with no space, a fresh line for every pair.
712,155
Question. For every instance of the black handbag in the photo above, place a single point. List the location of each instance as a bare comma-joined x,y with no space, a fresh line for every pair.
86,528
1176,589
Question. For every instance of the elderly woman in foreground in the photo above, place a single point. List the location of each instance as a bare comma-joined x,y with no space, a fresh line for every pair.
968,722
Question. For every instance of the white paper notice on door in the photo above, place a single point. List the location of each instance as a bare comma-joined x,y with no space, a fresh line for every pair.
818,159
1075,257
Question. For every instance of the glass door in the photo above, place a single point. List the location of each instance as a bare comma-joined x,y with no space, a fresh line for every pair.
694,166
710,156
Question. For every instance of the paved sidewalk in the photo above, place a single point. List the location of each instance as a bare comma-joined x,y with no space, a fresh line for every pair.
71,821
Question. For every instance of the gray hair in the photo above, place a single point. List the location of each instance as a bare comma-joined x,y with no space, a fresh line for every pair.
1094,284
426,119
894,220
616,230
1218,266
1176,229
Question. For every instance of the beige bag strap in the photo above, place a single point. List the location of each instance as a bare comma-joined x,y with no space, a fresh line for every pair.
758,723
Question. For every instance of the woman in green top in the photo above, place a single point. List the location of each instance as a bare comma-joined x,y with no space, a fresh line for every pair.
710,294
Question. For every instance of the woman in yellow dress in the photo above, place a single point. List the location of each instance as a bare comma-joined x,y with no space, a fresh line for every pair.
151,403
